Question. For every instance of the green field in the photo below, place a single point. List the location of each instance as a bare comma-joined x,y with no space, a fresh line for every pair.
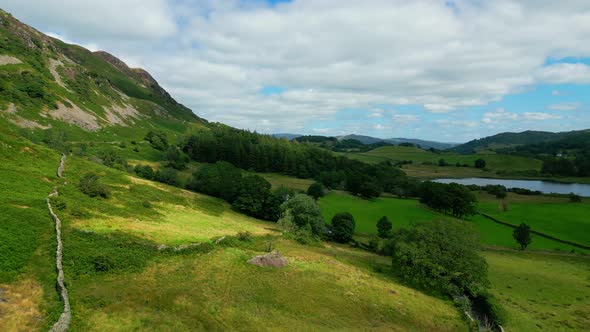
564,220
541,292
494,162
401,212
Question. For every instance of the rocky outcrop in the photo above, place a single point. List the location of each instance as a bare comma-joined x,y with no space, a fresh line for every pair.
63,322
272,259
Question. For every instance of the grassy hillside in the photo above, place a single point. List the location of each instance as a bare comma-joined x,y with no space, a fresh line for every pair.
27,237
494,161
47,85
504,140
541,292
118,279
220,291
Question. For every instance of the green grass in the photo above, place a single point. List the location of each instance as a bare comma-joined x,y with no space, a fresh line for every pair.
176,216
401,212
332,288
541,292
496,235
493,161
564,220
27,240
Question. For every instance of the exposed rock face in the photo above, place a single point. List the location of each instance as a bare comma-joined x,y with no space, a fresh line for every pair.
9,60
272,259
75,115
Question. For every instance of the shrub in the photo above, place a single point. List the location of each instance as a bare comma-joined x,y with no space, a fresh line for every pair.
144,171
487,304
480,163
315,190
58,203
522,235
168,176
157,139
90,185
441,256
384,227
146,204
374,243
302,212
245,236
102,263
575,198
343,227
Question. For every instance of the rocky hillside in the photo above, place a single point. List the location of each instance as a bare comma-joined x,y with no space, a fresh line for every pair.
46,83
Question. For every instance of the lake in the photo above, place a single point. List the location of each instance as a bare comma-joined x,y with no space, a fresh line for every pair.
546,187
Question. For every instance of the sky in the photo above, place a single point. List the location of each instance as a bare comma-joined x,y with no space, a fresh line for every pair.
432,69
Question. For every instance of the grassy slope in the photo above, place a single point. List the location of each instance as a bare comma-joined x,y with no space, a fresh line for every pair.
205,291
541,292
322,289
176,216
27,241
148,289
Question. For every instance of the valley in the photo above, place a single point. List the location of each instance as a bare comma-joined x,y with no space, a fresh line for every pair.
155,214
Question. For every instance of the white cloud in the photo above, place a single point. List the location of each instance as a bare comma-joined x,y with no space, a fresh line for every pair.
403,119
565,106
498,116
92,21
377,113
555,93
502,116
215,56
539,116
438,108
379,127
561,73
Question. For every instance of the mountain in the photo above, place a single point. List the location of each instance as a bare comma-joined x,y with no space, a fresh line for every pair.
287,136
509,139
361,138
423,143
46,83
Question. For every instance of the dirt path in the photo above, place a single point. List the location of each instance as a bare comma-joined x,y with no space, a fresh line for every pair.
64,319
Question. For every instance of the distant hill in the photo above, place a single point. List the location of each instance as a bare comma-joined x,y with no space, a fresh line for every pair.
507,140
287,136
423,143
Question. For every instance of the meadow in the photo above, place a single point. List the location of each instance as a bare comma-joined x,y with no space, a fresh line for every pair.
400,212
541,292
403,212
564,220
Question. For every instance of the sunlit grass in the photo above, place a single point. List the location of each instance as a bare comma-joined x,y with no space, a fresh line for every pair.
541,292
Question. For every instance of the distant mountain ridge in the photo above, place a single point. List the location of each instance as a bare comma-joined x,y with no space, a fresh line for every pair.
510,139
372,140
423,143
